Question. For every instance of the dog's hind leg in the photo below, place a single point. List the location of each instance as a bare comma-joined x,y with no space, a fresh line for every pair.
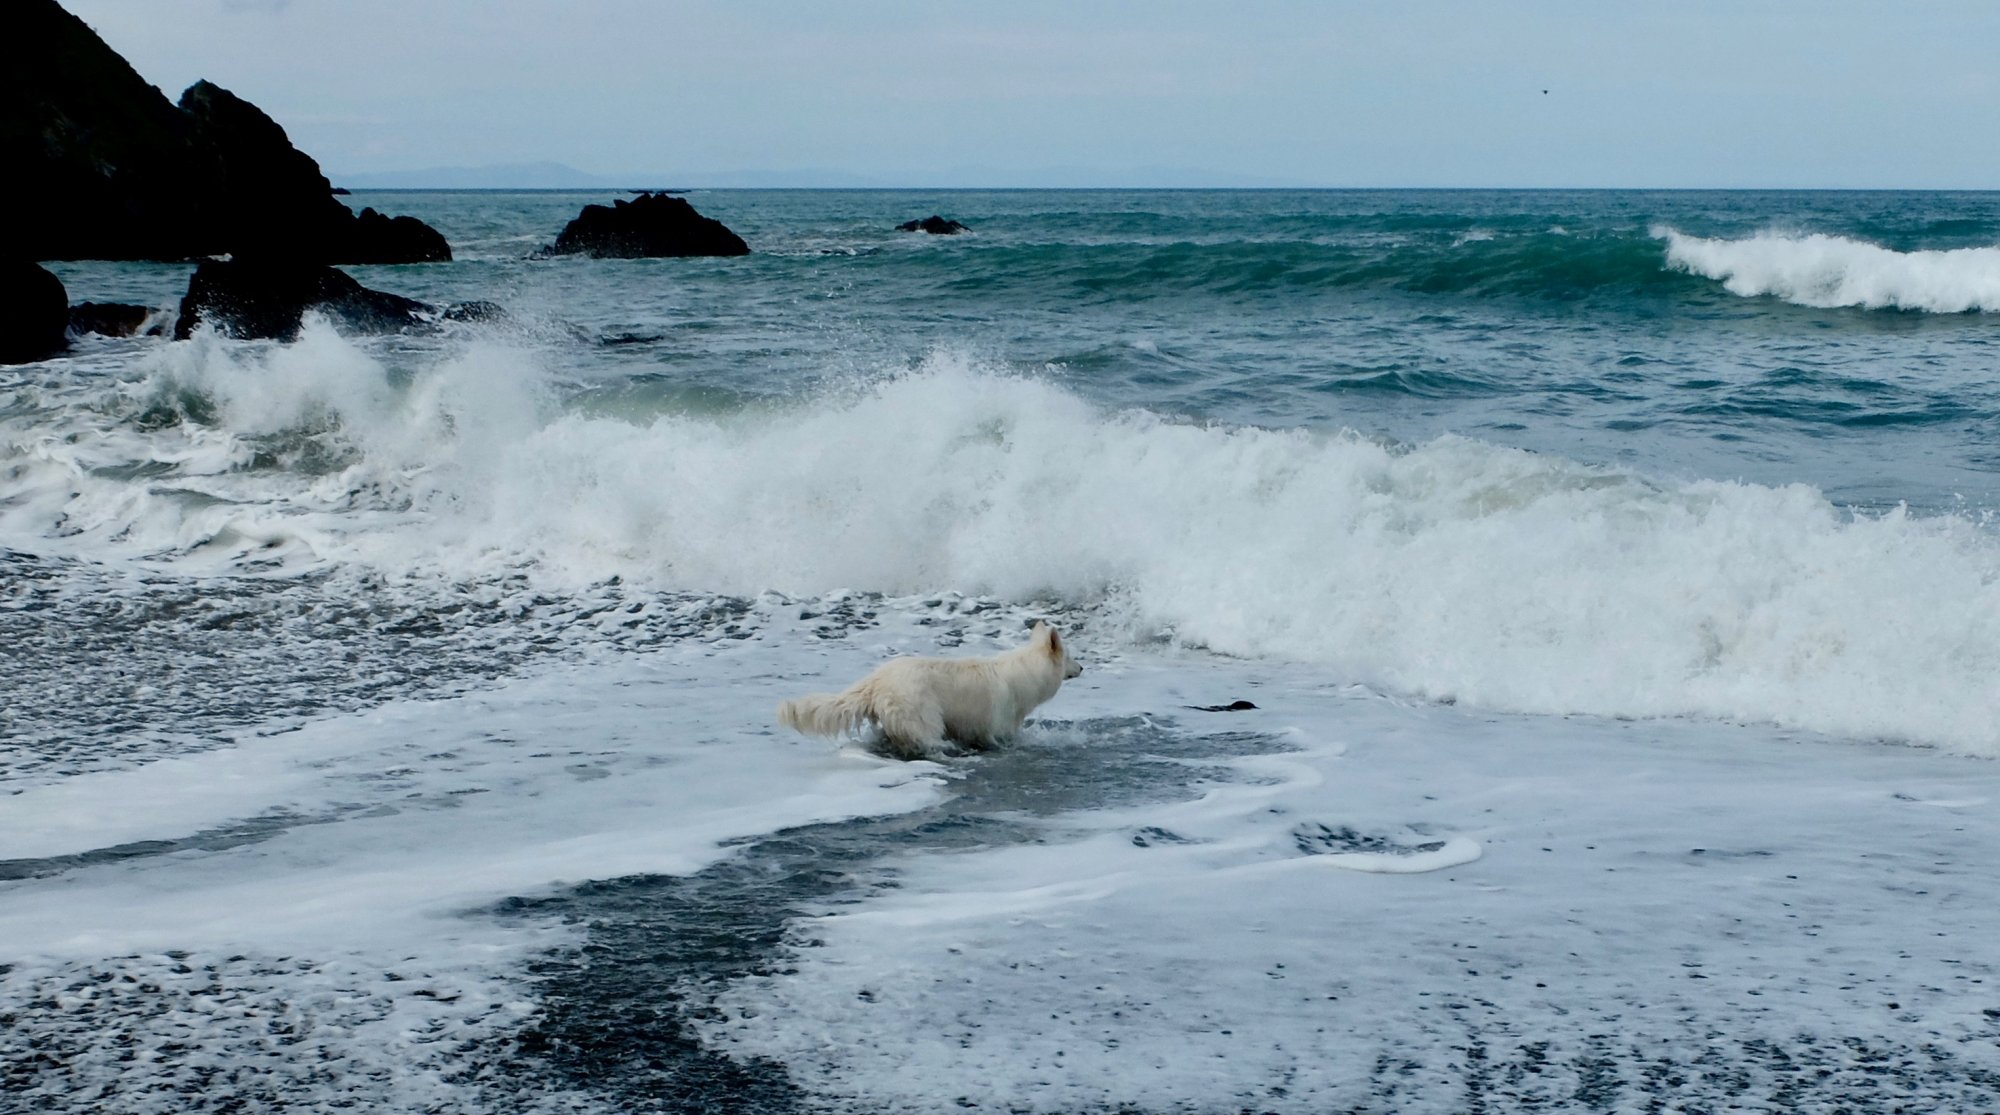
912,733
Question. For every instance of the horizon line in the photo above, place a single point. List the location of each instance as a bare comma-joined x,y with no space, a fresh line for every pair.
584,189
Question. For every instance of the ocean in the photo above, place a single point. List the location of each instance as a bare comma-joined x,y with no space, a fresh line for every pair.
387,720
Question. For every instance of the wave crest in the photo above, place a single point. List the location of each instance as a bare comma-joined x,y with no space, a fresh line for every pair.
1827,271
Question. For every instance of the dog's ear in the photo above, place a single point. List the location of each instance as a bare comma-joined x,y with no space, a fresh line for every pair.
1055,642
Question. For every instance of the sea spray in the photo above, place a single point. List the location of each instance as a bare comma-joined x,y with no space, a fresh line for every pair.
1453,569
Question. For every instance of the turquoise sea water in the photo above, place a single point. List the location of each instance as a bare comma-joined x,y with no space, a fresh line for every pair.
1551,321
1860,361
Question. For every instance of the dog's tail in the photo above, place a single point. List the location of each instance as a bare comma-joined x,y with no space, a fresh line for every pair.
827,714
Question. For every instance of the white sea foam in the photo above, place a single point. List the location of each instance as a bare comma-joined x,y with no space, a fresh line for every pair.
1666,884
1820,270
566,775
1454,570
1646,897
1456,852
324,933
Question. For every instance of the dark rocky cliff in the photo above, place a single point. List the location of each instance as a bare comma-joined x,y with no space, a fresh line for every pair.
98,164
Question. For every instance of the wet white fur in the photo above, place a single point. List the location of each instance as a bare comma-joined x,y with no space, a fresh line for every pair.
920,704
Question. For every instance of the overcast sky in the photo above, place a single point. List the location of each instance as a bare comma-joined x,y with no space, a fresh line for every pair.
1805,93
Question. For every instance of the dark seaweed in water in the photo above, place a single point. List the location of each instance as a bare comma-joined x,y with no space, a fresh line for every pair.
1315,839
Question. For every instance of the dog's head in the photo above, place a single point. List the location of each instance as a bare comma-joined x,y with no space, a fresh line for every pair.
1051,640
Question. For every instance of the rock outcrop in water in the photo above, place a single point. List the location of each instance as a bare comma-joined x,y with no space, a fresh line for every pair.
112,319
98,164
34,313
935,225
378,238
648,225
263,298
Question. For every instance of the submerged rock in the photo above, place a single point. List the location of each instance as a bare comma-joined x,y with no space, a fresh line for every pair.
100,165
111,319
476,313
935,225
647,226
263,298
34,313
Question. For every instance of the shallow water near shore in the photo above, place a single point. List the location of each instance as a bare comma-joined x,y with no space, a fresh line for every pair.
1338,900
388,719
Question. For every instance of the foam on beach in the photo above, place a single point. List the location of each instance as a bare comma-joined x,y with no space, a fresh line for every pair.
1337,898
1555,913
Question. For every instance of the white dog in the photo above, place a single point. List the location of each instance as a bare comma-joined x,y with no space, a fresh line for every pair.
919,703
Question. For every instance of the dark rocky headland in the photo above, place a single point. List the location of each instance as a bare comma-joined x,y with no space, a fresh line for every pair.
100,165
97,164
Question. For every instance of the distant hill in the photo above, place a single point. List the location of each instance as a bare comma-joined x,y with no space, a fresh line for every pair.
498,176
558,176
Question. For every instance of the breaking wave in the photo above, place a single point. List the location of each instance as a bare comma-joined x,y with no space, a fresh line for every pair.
1452,570
1826,271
